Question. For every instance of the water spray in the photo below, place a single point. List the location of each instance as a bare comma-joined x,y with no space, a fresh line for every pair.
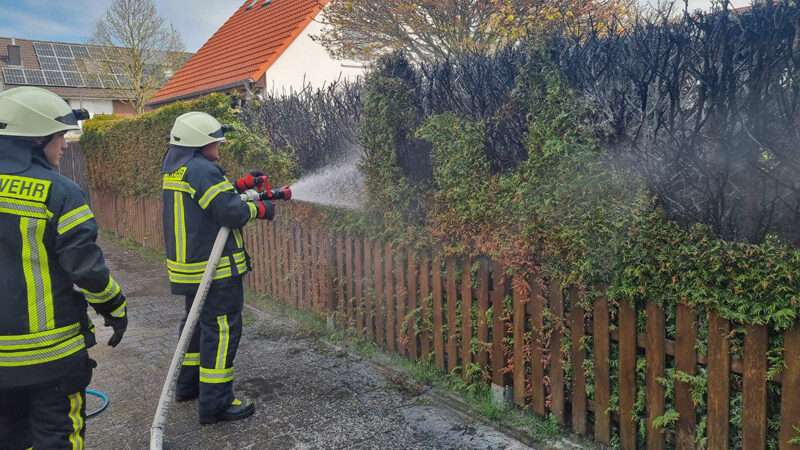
338,184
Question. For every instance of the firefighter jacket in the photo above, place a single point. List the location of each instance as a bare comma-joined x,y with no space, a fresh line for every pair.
47,246
198,200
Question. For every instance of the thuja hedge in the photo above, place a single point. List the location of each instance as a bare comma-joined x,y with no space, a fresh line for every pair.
124,155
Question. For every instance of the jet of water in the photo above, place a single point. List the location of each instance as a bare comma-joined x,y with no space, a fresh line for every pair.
337,184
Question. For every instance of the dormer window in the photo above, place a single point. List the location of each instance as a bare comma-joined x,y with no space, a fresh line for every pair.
266,3
253,3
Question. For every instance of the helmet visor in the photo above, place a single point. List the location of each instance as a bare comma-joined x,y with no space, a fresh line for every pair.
73,117
220,133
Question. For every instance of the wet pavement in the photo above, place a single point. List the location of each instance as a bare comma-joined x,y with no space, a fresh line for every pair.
309,394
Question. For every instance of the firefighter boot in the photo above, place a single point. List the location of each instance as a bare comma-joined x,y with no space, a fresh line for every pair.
239,409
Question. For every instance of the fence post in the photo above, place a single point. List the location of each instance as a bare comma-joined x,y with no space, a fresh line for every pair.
686,362
602,384
719,371
627,374
754,389
790,388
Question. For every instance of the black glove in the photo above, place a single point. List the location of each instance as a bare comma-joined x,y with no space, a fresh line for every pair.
119,324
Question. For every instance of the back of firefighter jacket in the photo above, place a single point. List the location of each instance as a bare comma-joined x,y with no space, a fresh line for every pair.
198,200
47,245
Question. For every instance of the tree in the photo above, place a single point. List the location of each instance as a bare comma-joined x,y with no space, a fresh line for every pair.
150,48
437,29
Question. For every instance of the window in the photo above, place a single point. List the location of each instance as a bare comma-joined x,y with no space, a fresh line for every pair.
253,3
266,3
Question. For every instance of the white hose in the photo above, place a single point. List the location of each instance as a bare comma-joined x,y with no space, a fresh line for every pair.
157,430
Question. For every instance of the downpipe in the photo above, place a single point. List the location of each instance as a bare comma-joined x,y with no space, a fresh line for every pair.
157,429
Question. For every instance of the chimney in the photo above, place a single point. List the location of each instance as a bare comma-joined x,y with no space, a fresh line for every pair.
14,57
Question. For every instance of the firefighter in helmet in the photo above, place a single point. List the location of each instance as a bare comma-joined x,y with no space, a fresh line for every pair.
47,246
198,200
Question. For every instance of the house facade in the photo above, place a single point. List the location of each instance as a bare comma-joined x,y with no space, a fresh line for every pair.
266,46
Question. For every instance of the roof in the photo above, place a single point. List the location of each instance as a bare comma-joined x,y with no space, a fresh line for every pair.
31,65
242,50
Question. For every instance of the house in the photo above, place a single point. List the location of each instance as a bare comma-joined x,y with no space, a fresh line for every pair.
266,46
85,76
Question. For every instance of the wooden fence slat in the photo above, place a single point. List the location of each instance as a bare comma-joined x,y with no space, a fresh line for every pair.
412,277
536,304
359,279
686,362
602,381
498,357
655,356
452,304
790,389
265,252
314,264
329,280
438,336
388,293
348,280
577,331
308,265
557,391
466,317
719,370
284,263
380,308
292,243
369,294
518,332
340,281
483,307
401,294
627,374
754,389
425,305
273,258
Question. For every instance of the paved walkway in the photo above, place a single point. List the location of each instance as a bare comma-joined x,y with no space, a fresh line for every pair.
308,394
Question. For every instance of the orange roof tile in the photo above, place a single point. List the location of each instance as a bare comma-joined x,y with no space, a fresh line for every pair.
242,49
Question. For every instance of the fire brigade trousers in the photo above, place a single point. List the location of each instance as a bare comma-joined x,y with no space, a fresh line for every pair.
207,369
47,417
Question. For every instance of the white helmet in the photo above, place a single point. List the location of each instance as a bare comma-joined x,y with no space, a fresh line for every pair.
34,112
197,129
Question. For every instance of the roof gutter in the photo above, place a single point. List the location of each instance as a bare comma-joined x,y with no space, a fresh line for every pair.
246,83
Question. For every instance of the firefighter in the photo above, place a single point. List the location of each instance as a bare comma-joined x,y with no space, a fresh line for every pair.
198,200
47,245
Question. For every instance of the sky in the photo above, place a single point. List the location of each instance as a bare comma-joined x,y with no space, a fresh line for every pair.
72,20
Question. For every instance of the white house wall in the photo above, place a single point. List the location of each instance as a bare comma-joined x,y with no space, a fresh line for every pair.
94,106
307,60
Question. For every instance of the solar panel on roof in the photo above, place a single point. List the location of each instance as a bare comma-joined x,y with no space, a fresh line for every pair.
34,77
124,82
49,63
62,50
53,78
14,76
80,51
92,80
67,65
72,79
97,53
109,82
43,49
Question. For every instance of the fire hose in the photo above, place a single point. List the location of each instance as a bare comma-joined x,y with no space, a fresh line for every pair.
157,429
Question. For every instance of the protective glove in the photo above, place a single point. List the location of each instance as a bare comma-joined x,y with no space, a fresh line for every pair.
119,324
255,179
266,210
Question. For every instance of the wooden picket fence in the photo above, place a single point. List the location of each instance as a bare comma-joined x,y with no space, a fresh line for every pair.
371,288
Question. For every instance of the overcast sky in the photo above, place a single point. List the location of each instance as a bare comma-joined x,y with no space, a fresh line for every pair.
71,20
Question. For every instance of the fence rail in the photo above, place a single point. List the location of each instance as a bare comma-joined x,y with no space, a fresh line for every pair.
453,311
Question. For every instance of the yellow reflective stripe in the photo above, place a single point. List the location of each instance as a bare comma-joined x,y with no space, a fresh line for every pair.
201,266
37,275
119,312
74,218
180,228
180,186
27,358
253,210
40,339
216,375
191,359
24,188
111,290
75,407
224,338
237,236
23,208
193,278
213,191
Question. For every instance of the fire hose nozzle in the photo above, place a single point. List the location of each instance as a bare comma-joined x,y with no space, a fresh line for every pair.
284,193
